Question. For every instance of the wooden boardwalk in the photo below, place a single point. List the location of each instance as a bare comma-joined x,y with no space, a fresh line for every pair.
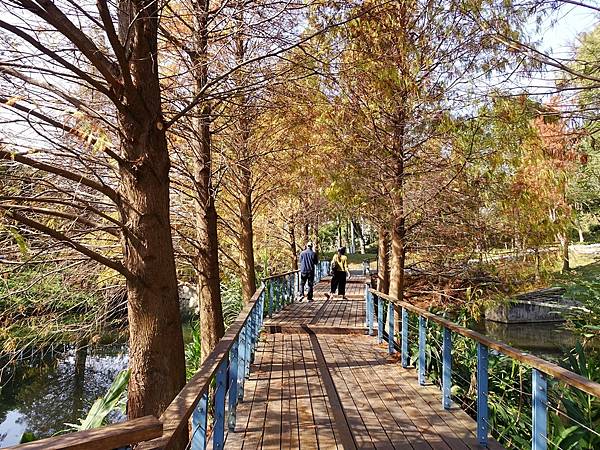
316,389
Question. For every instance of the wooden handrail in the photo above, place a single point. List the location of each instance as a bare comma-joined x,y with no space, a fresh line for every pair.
112,436
556,371
279,275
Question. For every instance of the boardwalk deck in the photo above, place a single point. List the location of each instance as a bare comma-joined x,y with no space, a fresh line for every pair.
312,389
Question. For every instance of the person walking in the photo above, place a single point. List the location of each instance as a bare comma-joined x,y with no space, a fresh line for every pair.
340,273
308,261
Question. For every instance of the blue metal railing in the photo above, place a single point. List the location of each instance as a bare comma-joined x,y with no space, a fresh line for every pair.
541,370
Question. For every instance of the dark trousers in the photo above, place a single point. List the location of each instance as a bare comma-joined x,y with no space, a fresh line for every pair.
310,278
338,281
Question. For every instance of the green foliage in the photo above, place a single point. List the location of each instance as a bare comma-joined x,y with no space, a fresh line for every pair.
193,352
578,424
233,303
114,399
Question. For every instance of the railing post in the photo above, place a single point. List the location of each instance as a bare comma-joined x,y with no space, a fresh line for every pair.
199,422
447,369
248,350
390,328
233,390
370,310
404,344
422,343
271,293
241,361
219,425
482,394
379,320
539,411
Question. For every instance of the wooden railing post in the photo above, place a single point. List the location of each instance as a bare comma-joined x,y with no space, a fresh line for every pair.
539,411
446,369
404,343
220,391
199,423
379,320
482,394
391,349
422,343
233,390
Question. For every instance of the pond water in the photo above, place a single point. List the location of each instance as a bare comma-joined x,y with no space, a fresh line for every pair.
551,341
42,395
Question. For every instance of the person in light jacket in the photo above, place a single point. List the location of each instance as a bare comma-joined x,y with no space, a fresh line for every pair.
340,273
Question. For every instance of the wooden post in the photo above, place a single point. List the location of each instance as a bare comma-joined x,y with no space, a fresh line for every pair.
447,369
199,422
404,338
219,425
482,394
422,343
539,411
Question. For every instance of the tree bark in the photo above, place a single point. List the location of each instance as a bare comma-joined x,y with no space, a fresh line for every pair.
293,246
246,235
383,255
564,250
156,357
212,327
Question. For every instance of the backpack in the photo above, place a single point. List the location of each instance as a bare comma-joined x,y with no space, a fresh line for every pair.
336,265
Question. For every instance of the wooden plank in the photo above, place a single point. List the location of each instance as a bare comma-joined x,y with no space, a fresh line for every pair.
379,403
251,435
346,381
112,436
271,437
306,421
322,411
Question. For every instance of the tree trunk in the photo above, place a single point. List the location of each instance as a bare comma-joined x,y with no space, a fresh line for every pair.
246,244
293,246
243,165
383,271
397,260
564,248
156,354
212,327
156,357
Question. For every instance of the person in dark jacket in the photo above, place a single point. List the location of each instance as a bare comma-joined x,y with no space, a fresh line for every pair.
308,261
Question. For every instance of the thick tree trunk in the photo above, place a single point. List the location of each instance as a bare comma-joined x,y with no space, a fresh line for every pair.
244,169
383,255
156,354
156,357
398,259
246,244
212,327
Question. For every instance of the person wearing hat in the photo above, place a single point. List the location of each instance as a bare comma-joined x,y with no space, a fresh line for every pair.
340,273
308,262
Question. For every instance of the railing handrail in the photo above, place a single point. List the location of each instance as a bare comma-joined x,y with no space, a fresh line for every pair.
278,275
112,436
560,373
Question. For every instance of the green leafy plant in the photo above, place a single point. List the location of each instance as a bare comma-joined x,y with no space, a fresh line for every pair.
114,399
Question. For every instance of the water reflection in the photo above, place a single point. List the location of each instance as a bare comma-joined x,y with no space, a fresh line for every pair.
43,396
